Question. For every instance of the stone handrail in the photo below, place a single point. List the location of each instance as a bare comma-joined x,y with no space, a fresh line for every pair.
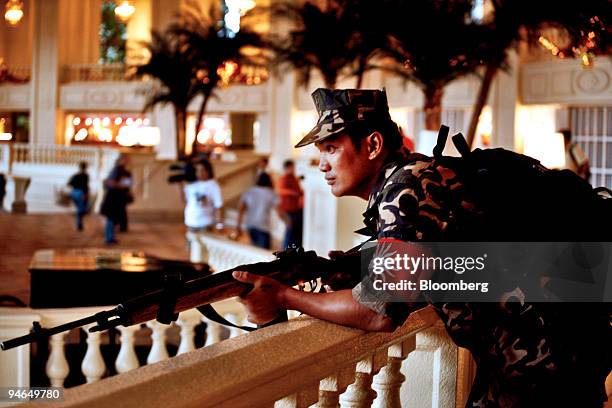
293,364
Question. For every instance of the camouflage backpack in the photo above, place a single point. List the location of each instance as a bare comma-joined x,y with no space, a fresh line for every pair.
525,201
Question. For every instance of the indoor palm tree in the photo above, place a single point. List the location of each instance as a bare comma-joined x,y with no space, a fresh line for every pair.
321,39
214,51
171,65
431,45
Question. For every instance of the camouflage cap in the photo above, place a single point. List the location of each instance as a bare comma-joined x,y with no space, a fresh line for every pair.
340,108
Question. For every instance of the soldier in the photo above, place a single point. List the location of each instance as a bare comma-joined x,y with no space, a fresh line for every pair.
411,197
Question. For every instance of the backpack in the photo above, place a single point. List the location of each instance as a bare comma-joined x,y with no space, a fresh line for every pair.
525,201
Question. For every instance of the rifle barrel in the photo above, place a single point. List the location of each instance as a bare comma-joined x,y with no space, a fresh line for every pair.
42,333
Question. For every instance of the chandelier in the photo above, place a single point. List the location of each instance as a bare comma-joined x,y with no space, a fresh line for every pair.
124,10
13,12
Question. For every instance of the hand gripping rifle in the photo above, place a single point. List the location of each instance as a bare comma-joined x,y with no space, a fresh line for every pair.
292,267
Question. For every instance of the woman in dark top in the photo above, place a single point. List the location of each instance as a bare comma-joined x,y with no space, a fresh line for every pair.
80,193
116,198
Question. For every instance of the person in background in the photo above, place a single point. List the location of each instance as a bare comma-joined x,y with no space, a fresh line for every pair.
2,190
203,201
80,193
257,202
575,158
262,167
117,196
291,196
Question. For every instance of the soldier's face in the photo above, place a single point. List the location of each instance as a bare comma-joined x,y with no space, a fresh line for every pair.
347,169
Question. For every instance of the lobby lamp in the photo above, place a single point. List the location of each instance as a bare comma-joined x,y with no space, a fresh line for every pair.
549,149
13,12
124,10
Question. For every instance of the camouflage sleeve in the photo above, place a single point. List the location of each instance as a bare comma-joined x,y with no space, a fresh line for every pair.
381,303
398,210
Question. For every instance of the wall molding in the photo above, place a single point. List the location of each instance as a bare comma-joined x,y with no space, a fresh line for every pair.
566,83
15,97
120,96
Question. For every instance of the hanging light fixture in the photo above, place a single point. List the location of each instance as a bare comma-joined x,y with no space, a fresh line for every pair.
13,12
124,10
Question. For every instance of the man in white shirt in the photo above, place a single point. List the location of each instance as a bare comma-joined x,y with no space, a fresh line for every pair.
203,201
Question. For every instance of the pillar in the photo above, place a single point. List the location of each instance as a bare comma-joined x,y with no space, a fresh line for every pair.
45,69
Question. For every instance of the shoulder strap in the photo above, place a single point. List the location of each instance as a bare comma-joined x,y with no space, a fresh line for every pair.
461,145
441,143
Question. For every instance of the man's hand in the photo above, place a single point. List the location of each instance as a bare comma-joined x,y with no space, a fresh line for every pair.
265,301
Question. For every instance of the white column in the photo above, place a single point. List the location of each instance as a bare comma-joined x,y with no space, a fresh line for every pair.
198,252
127,359
93,364
389,380
503,104
44,81
328,393
158,348
213,332
238,319
431,370
360,394
163,117
57,366
277,126
187,321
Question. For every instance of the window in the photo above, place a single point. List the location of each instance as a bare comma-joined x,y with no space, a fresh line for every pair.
592,131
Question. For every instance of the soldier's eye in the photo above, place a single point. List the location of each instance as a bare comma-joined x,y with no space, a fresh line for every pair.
331,149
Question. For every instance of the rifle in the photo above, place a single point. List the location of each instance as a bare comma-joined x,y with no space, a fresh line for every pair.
292,267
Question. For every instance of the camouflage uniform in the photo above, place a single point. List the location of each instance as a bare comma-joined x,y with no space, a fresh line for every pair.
521,360
528,355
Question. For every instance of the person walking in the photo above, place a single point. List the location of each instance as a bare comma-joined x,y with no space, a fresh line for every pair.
257,203
80,193
117,196
291,196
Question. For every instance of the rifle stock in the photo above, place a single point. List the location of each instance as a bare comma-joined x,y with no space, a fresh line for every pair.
292,267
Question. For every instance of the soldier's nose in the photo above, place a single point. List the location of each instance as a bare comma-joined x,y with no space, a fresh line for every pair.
323,165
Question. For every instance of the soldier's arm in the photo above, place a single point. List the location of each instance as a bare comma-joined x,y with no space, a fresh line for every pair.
269,297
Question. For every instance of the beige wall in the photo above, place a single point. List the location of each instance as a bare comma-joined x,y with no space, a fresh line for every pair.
16,42
79,25
139,31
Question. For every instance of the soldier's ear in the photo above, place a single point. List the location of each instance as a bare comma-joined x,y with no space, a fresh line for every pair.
374,145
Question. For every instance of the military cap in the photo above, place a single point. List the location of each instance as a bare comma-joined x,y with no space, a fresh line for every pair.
339,109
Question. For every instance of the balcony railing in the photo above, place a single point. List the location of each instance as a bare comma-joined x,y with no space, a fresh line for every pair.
17,321
95,73
246,75
294,364
14,74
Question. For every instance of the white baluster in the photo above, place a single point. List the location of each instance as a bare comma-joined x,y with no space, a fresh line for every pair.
328,393
127,359
158,348
289,401
57,366
198,252
93,366
187,321
213,332
360,393
238,319
388,382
